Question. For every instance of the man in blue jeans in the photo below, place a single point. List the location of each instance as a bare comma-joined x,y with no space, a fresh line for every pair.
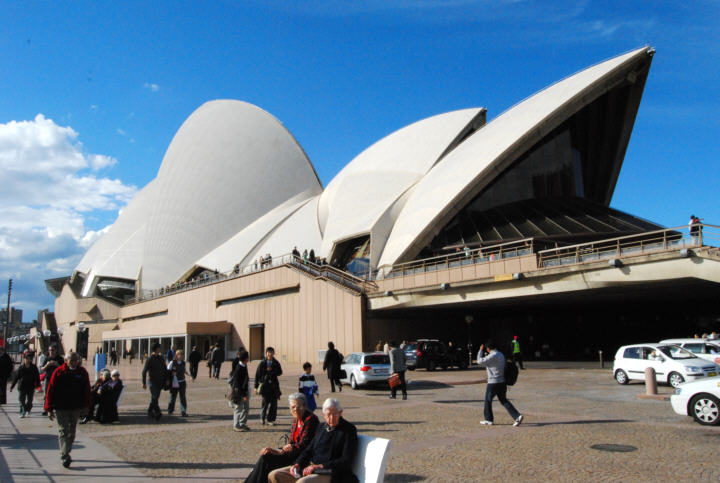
494,363
155,368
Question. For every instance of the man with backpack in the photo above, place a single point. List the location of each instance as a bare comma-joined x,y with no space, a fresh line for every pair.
494,363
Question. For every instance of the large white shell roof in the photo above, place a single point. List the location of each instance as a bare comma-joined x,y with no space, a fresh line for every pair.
229,164
442,190
234,184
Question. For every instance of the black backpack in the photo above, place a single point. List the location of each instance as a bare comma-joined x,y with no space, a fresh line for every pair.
511,373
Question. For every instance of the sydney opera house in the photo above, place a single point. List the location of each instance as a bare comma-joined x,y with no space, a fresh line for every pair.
451,227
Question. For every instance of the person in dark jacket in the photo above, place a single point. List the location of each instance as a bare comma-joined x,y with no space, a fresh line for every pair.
52,362
194,359
68,397
27,378
302,432
155,367
108,396
236,360
268,386
330,455
217,358
177,370
331,364
6,369
240,383
95,395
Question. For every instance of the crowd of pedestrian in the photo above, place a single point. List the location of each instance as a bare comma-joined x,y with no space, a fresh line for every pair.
313,450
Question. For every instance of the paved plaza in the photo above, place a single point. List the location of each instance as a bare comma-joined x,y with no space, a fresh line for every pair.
436,434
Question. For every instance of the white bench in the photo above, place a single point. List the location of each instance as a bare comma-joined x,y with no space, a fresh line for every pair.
371,458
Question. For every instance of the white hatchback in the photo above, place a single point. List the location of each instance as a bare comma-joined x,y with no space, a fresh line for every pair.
699,399
672,364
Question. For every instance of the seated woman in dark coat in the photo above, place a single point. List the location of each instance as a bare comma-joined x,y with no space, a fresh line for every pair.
95,395
108,396
301,434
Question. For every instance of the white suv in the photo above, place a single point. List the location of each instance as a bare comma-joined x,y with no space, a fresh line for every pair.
672,364
708,349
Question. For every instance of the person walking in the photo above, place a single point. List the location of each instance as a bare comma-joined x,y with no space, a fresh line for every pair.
6,369
27,378
194,359
494,363
268,386
240,399
517,353
52,362
155,368
217,358
397,366
179,385
68,397
331,364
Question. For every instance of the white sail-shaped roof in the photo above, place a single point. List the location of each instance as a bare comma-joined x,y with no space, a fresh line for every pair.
229,164
449,184
358,196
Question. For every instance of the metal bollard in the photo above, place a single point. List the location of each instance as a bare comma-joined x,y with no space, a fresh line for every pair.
602,362
650,382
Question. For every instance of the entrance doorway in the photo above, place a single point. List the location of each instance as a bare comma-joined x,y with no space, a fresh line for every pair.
257,341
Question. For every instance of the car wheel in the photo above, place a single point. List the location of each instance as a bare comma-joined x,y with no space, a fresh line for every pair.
705,409
431,366
621,377
675,379
353,382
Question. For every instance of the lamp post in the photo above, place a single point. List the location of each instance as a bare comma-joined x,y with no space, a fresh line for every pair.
469,320
8,320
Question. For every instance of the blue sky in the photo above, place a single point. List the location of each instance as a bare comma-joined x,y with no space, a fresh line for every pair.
93,92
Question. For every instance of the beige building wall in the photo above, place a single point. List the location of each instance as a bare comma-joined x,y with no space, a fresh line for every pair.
300,314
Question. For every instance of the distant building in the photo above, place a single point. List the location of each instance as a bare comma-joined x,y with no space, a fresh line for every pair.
16,320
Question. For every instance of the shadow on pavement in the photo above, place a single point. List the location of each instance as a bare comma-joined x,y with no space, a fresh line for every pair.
460,401
163,465
403,477
32,441
584,421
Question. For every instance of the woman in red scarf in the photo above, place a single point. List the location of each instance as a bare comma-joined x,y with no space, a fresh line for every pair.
301,434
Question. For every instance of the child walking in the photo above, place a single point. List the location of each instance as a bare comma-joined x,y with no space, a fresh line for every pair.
308,386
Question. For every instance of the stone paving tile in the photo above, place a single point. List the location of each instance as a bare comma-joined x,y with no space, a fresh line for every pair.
436,433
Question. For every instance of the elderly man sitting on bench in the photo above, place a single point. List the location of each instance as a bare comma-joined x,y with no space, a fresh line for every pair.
329,457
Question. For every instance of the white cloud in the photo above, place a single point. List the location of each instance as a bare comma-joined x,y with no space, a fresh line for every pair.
151,87
49,187
121,132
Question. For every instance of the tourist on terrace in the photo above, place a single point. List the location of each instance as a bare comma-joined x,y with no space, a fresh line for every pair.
302,432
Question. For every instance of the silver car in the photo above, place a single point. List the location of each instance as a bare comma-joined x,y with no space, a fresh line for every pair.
363,368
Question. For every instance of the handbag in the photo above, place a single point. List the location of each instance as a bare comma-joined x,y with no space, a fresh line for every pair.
394,380
342,374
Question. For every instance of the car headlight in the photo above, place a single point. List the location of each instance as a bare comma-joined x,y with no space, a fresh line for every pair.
678,391
693,370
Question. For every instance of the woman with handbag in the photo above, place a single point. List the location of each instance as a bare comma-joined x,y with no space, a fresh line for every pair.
397,368
302,433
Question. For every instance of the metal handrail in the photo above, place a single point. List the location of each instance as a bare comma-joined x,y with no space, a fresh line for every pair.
464,257
669,239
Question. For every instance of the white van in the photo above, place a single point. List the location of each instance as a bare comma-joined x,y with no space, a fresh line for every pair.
708,349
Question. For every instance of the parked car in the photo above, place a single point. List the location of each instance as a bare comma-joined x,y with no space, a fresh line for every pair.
699,399
363,368
703,348
672,364
410,350
432,353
